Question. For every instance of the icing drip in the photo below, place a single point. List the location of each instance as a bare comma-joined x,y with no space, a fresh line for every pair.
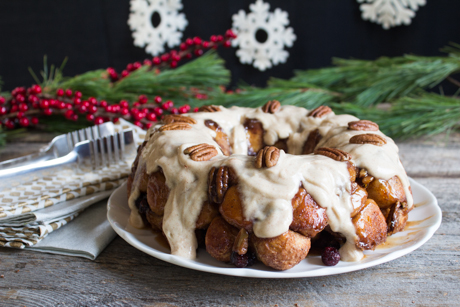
266,193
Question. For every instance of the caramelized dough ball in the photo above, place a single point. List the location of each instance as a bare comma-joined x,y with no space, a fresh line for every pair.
143,181
281,145
370,226
281,252
129,184
358,198
232,210
157,192
386,192
156,221
255,136
220,238
397,217
207,214
221,138
308,217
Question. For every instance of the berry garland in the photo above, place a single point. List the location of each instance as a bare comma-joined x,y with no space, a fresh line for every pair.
25,107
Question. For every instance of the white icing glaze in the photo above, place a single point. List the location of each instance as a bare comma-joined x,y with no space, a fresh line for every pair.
267,192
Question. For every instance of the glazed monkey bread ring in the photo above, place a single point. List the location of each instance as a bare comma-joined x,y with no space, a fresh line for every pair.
268,183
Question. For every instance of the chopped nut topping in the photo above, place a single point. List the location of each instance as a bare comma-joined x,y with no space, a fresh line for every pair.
209,109
313,139
175,126
175,118
219,180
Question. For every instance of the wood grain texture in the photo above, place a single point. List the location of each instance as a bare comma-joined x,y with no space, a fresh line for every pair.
124,276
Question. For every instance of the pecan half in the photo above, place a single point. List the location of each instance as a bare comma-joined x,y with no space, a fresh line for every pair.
272,106
175,118
175,126
201,152
312,140
241,243
363,125
368,138
209,109
267,157
333,153
219,180
320,111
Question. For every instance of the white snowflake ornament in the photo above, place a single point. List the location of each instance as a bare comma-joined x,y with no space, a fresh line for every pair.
390,13
261,36
155,23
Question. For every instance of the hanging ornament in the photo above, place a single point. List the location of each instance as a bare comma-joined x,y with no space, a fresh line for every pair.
155,23
262,35
390,13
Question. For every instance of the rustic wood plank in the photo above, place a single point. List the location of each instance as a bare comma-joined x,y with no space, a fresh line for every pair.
124,276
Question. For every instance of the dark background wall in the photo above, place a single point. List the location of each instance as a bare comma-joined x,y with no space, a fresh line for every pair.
94,34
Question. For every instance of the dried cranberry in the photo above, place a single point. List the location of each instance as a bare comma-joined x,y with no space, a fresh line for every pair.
330,256
242,261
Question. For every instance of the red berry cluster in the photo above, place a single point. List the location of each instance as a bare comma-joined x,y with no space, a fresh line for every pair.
25,106
191,47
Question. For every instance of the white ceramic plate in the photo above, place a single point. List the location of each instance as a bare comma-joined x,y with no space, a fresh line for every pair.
424,220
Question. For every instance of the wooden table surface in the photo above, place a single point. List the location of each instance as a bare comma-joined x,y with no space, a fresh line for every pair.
124,276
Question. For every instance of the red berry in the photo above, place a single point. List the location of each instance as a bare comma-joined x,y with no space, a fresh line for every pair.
61,105
86,103
189,41
130,67
24,122
158,111
157,99
92,109
230,34
173,64
68,114
330,256
74,117
197,40
36,105
198,52
92,100
220,38
167,105
2,100
36,89
54,102
68,92
188,56
183,46
32,98
23,107
139,115
136,104
82,109
124,104
137,65
103,103
115,119
69,106
143,99
138,123
196,109
134,111
205,44
98,120
124,111
109,109
227,44
124,73
9,124
90,117
47,112
110,70
156,60
78,94
165,57
148,125
14,108
60,92
20,98
182,110
147,62
174,111
34,120
20,114
77,101
151,117
2,111
213,38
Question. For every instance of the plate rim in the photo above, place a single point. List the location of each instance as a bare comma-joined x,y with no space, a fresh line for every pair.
253,273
